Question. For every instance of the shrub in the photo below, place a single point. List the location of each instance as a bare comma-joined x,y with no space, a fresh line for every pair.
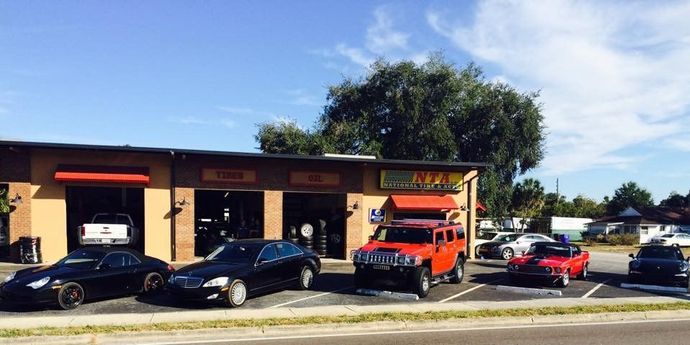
624,239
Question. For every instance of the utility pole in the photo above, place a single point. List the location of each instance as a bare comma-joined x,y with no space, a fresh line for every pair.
558,195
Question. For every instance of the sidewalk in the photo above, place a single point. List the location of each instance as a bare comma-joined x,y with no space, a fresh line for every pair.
337,310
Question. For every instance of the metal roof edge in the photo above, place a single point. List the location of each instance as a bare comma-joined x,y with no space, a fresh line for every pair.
160,150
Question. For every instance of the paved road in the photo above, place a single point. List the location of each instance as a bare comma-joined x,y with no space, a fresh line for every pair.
628,333
335,287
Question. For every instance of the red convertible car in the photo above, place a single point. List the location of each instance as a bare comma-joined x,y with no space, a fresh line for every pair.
550,262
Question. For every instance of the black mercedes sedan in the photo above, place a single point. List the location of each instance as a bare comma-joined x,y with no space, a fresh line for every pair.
241,269
86,273
659,264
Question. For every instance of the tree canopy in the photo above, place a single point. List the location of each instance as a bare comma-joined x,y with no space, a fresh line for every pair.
676,200
629,195
432,111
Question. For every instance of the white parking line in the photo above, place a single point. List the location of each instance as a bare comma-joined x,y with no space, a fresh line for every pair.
590,292
309,297
467,291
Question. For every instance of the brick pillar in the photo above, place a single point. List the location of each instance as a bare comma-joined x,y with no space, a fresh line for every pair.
20,215
353,229
273,214
184,225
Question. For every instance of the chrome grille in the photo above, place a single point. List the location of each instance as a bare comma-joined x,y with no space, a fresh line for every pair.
382,259
533,269
188,282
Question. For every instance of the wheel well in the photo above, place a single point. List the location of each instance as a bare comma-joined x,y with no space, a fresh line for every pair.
462,257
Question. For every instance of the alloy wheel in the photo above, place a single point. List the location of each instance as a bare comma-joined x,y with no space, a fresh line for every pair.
307,277
238,293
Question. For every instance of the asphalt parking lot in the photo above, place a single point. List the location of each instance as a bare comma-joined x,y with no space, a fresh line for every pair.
334,286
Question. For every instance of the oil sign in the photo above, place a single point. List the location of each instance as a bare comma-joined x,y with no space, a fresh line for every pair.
314,179
421,180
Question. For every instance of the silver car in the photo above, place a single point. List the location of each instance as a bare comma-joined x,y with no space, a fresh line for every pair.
507,246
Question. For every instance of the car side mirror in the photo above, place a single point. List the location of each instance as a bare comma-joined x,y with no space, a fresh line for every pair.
632,256
261,261
371,237
688,259
104,267
439,244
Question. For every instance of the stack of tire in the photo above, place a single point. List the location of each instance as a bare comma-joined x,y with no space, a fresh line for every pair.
292,235
30,250
306,236
322,239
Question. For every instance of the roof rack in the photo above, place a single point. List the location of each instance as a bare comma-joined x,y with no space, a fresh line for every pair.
437,222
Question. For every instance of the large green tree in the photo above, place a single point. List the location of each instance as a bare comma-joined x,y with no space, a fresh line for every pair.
676,200
432,111
629,195
527,199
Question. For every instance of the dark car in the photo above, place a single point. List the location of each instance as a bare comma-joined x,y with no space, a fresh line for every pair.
86,273
659,264
245,268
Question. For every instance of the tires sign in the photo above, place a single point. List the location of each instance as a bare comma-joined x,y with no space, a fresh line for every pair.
421,180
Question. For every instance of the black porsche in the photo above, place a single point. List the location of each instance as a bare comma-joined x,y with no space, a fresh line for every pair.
86,273
659,264
240,269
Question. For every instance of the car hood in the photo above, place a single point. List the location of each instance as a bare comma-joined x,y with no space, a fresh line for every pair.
538,260
211,269
659,264
397,248
492,244
33,274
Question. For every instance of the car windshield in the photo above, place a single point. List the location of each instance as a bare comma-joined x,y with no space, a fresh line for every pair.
667,253
507,238
81,258
547,250
235,253
110,219
403,235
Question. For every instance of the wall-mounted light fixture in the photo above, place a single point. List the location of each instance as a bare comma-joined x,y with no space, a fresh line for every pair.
182,203
17,200
463,207
354,206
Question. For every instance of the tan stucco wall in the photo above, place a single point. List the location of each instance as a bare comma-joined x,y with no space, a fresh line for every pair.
374,197
49,209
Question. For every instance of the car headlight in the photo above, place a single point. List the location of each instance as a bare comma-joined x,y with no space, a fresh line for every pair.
10,277
39,283
547,269
216,282
683,266
558,270
635,264
363,256
401,260
171,280
511,267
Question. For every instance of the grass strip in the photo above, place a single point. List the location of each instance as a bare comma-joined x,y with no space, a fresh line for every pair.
344,319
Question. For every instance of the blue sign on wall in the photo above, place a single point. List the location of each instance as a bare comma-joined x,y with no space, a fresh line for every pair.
377,215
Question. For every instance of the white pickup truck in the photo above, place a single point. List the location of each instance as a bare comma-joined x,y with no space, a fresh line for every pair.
108,229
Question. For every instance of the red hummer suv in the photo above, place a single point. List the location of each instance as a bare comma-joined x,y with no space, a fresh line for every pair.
418,253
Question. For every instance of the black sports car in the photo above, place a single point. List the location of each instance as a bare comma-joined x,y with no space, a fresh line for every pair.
659,264
86,273
244,268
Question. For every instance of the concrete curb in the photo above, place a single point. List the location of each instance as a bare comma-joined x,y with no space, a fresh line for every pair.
240,334
529,291
337,310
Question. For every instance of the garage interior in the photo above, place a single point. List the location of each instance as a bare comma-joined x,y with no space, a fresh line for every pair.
316,221
224,215
84,202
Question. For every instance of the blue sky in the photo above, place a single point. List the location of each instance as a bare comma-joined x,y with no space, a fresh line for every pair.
613,75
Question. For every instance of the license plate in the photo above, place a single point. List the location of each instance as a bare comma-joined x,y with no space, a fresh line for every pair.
106,240
382,267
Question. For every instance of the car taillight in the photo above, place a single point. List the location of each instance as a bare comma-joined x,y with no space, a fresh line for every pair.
83,231
170,268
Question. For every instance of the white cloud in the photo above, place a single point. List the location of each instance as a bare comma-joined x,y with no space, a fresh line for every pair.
356,55
193,120
303,98
381,37
613,75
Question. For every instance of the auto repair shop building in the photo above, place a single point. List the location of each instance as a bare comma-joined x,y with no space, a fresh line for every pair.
186,201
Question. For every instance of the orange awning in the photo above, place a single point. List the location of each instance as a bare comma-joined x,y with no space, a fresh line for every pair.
102,174
424,202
